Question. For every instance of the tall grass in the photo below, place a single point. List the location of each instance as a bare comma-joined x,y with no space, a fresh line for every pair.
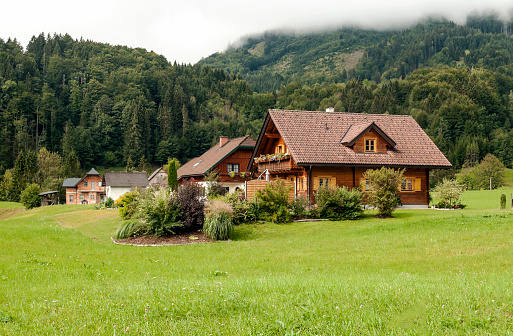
422,272
218,223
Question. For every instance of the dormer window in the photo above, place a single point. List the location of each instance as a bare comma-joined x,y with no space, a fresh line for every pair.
279,149
370,145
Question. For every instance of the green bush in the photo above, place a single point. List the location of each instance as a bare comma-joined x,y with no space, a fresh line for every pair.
273,201
130,228
244,211
160,211
109,203
339,203
384,193
218,223
280,216
30,196
503,201
127,204
447,194
298,207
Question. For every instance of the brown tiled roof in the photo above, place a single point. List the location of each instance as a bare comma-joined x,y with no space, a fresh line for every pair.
316,138
201,165
354,131
125,179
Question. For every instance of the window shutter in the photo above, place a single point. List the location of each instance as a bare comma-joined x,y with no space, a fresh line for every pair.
362,184
315,183
333,182
417,184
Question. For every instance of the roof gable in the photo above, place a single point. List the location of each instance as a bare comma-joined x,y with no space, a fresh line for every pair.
201,165
315,138
158,170
356,131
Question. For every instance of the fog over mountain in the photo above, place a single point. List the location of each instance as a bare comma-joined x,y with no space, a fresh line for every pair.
186,31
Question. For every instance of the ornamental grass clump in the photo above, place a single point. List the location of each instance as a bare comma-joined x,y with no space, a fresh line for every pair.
218,223
130,228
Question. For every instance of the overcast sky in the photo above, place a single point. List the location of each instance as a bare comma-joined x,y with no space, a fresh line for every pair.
188,30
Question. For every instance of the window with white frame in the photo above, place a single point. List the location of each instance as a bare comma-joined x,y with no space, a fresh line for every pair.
233,167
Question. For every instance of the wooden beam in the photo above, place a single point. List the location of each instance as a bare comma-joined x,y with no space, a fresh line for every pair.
273,135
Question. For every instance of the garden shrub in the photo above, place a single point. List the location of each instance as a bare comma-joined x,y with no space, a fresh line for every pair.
280,216
298,207
218,223
244,211
127,204
160,211
384,193
192,205
447,194
503,201
109,203
273,199
339,203
213,187
30,196
130,228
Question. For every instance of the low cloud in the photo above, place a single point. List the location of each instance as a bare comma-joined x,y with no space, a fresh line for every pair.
186,31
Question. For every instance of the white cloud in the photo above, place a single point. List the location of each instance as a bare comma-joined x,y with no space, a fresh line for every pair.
188,30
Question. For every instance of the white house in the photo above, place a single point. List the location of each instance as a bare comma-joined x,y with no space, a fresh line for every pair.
118,183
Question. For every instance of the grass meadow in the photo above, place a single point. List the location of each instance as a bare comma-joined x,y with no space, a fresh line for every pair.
424,272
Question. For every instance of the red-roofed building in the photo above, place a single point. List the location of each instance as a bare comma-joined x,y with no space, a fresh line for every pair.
85,190
332,148
229,157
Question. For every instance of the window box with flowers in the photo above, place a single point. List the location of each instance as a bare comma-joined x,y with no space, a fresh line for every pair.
272,157
244,174
232,174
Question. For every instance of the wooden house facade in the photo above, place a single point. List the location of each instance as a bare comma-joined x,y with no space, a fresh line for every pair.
229,157
313,149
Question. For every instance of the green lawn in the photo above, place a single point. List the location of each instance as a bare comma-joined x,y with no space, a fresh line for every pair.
422,272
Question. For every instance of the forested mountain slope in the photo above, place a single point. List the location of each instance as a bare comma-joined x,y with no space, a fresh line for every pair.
275,59
108,103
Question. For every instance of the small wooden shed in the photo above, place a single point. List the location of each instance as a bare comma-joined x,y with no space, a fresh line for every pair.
49,198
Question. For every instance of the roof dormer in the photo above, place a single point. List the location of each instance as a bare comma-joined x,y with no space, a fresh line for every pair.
367,138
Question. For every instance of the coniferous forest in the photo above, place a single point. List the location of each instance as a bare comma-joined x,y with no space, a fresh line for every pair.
96,104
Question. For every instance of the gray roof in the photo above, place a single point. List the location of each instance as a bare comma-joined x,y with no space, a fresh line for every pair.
71,182
48,193
93,172
125,179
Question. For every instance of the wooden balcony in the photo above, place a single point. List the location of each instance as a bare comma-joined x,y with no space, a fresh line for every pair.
277,166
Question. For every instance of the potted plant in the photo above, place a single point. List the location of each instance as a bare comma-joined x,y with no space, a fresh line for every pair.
232,174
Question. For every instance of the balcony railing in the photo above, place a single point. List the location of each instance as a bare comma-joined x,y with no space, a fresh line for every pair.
276,166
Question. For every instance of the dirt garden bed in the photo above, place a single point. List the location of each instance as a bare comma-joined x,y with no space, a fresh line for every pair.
179,239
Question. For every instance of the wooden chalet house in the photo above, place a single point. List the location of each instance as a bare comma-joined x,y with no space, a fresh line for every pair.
229,157
85,190
313,149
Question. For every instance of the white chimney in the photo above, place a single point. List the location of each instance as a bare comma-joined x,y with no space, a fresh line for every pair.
223,140
330,109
